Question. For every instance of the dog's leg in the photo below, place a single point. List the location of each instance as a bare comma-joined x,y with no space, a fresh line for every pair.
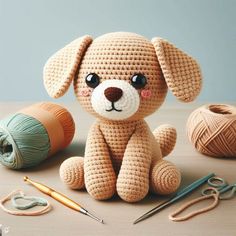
164,177
165,135
100,177
133,178
72,172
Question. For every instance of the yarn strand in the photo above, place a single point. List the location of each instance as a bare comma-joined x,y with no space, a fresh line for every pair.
22,213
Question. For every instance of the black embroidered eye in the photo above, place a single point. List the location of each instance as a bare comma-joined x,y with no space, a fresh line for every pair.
138,81
92,80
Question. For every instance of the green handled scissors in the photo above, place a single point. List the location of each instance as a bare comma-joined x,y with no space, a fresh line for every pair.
217,187
219,184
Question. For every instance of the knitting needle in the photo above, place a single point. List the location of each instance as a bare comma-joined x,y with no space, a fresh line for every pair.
61,198
179,195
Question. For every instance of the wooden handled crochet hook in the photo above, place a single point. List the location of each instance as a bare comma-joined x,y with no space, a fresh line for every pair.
61,198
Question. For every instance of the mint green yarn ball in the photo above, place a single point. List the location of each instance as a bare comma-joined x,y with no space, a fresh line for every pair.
24,142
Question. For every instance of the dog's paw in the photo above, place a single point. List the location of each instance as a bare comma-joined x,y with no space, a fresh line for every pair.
72,172
165,178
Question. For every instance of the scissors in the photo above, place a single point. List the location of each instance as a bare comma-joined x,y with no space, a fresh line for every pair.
219,184
217,189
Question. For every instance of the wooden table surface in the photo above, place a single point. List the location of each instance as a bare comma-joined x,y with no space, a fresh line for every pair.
117,214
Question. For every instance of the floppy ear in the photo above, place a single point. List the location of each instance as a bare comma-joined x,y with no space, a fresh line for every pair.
181,72
61,68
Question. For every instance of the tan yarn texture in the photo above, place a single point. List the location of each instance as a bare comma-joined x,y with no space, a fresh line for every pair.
212,130
72,172
166,136
119,56
124,156
174,64
165,178
60,68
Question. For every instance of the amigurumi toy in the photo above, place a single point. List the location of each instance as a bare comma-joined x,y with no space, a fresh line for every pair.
121,78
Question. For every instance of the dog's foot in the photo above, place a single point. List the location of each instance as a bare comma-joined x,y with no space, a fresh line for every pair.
165,178
72,172
100,183
131,186
130,191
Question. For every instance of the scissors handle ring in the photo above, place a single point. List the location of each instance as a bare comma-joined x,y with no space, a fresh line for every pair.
216,185
209,191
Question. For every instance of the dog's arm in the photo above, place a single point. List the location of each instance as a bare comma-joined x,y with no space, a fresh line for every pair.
133,179
100,177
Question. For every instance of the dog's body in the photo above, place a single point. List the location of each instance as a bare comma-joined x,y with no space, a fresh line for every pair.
128,148
121,78
122,133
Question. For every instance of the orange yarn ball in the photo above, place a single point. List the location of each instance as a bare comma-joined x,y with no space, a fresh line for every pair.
34,133
212,130
64,118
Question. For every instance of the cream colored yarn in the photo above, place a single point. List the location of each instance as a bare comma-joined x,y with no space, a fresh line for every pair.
123,155
215,196
212,130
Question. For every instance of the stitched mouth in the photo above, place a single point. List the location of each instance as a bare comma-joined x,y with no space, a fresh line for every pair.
113,108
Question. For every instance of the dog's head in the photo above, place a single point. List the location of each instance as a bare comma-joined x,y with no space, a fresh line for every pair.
121,76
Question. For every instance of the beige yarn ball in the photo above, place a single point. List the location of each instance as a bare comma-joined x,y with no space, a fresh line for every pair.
72,172
212,130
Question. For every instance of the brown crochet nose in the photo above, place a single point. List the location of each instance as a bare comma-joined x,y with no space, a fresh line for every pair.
113,94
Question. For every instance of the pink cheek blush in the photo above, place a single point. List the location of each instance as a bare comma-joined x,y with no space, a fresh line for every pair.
85,92
146,93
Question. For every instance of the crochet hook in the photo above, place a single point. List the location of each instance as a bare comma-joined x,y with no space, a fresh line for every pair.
188,189
61,198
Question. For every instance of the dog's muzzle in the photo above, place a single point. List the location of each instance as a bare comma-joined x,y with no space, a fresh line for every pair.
115,99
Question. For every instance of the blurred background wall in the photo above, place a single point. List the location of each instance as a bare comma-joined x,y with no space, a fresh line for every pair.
31,31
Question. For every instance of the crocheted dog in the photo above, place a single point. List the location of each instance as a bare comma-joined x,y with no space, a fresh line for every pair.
121,78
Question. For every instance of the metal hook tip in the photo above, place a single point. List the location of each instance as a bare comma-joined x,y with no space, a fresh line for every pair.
94,217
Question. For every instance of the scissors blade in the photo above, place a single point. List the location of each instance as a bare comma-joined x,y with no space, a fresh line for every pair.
173,199
229,188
